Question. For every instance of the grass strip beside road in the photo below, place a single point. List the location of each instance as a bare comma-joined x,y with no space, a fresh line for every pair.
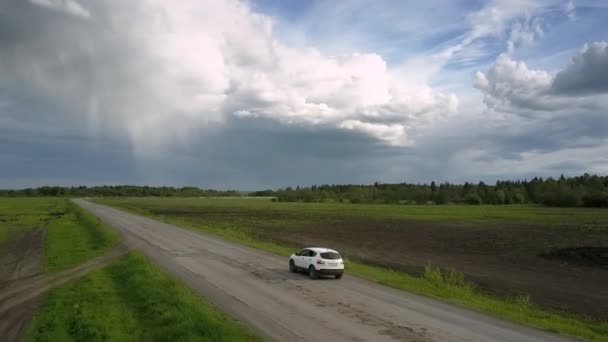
75,237
131,300
449,287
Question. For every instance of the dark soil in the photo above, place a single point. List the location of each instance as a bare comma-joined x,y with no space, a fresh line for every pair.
502,259
20,258
589,256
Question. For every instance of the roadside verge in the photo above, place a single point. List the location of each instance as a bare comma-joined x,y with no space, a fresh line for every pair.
131,299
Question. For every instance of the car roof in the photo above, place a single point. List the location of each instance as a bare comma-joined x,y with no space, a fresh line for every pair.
321,249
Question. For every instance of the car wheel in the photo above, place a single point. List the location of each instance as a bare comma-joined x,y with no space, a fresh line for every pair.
312,273
292,267
338,276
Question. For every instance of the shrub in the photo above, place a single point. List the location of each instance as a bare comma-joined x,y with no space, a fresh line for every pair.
518,198
562,198
444,279
595,199
473,198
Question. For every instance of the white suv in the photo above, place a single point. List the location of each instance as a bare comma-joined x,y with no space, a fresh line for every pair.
317,262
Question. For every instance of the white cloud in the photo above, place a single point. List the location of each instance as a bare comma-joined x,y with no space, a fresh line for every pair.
394,134
509,82
524,32
183,64
570,10
510,86
492,20
71,7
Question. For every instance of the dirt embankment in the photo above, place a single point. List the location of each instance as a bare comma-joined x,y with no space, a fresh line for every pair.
20,259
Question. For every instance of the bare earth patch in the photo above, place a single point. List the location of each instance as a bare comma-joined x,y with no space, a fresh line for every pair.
22,256
20,259
502,259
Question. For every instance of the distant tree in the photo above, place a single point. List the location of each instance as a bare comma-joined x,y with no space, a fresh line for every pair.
473,198
561,196
442,197
518,198
500,197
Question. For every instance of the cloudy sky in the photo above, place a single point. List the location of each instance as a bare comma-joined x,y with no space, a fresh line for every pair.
271,93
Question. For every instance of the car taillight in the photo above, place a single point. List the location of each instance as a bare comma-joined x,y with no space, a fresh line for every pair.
320,262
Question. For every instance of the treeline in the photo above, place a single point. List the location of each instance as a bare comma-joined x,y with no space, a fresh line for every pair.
582,191
118,190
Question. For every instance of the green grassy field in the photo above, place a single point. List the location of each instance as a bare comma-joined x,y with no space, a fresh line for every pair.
130,300
74,237
465,213
265,225
18,215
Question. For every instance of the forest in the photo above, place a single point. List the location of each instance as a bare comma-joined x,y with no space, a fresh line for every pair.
580,191
118,191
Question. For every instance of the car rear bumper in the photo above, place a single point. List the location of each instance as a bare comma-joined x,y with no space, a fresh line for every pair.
330,271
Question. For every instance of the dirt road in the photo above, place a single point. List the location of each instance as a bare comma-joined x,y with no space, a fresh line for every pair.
257,288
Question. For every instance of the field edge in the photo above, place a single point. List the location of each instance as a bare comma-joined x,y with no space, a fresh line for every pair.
434,284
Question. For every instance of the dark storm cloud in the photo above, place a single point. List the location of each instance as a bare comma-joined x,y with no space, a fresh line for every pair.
253,153
553,134
89,71
267,154
587,74
28,159
244,153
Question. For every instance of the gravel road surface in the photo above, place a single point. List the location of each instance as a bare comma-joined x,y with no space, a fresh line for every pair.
257,288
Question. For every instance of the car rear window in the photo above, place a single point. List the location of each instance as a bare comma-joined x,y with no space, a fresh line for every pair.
330,256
